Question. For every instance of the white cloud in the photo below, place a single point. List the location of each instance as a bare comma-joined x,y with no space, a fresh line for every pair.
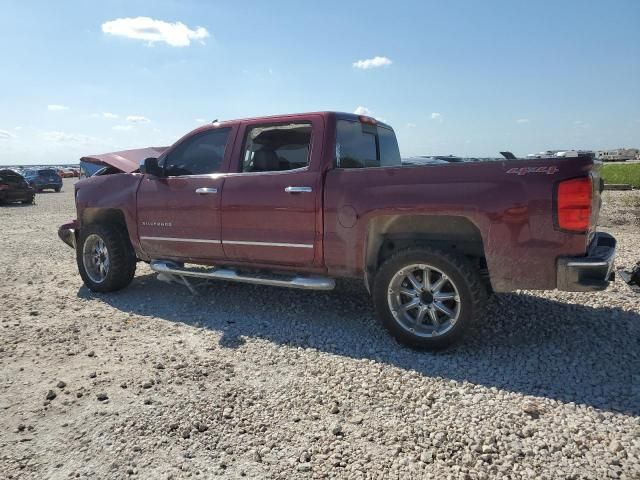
137,119
375,62
67,138
362,111
145,28
436,116
200,120
57,108
123,128
109,115
522,120
4,135
411,125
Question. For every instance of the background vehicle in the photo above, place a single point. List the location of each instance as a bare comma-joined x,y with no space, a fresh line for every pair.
297,200
43,179
66,173
14,188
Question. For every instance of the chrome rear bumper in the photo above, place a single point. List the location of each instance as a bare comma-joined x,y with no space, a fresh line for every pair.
589,273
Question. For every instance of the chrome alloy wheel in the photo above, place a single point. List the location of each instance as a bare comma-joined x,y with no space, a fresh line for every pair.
424,300
95,257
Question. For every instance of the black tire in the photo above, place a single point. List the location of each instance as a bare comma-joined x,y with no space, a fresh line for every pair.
471,295
57,190
122,258
29,201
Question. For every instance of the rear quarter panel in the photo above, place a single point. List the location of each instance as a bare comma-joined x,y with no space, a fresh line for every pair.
512,211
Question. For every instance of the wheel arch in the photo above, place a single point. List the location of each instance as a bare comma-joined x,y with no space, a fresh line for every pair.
391,233
107,216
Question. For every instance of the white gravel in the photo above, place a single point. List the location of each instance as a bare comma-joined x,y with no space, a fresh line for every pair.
152,382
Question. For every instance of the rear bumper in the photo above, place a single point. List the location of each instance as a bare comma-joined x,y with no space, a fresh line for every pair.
589,273
42,185
67,233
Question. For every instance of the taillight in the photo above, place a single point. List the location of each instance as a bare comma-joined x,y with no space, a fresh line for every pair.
573,203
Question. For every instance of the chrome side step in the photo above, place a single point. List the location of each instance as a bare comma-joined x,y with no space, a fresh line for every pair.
304,283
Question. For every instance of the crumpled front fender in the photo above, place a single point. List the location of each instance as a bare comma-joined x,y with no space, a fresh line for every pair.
68,232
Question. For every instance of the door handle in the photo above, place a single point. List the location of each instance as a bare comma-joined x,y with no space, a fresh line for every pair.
298,190
205,191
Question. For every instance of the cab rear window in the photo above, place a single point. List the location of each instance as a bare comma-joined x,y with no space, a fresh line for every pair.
360,145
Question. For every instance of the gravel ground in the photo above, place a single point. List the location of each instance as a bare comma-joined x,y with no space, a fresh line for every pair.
257,382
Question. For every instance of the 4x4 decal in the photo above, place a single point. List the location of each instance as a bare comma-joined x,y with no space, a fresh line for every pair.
525,170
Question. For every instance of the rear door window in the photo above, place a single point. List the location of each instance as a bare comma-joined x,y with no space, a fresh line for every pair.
273,148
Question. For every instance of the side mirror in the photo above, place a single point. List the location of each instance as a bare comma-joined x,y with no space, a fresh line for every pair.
149,166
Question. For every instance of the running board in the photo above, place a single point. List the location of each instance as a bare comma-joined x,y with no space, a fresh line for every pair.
304,283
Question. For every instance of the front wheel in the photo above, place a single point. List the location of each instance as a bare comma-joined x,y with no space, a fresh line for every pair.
426,298
57,190
105,258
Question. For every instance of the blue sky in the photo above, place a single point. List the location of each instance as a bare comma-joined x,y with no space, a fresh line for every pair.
461,77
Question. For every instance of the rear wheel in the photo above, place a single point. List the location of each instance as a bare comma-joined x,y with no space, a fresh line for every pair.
105,258
427,297
57,190
28,200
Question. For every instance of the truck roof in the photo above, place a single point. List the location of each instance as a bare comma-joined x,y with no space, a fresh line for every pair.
128,160
327,113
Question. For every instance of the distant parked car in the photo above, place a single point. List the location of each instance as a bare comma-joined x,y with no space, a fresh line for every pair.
65,173
14,188
43,178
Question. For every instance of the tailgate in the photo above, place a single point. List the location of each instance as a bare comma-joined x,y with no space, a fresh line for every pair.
598,187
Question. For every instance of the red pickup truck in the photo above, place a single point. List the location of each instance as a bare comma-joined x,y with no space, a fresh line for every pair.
298,200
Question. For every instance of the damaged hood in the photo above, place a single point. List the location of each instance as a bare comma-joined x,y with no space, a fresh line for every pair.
126,160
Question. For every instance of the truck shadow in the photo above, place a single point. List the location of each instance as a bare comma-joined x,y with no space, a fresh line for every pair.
524,343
